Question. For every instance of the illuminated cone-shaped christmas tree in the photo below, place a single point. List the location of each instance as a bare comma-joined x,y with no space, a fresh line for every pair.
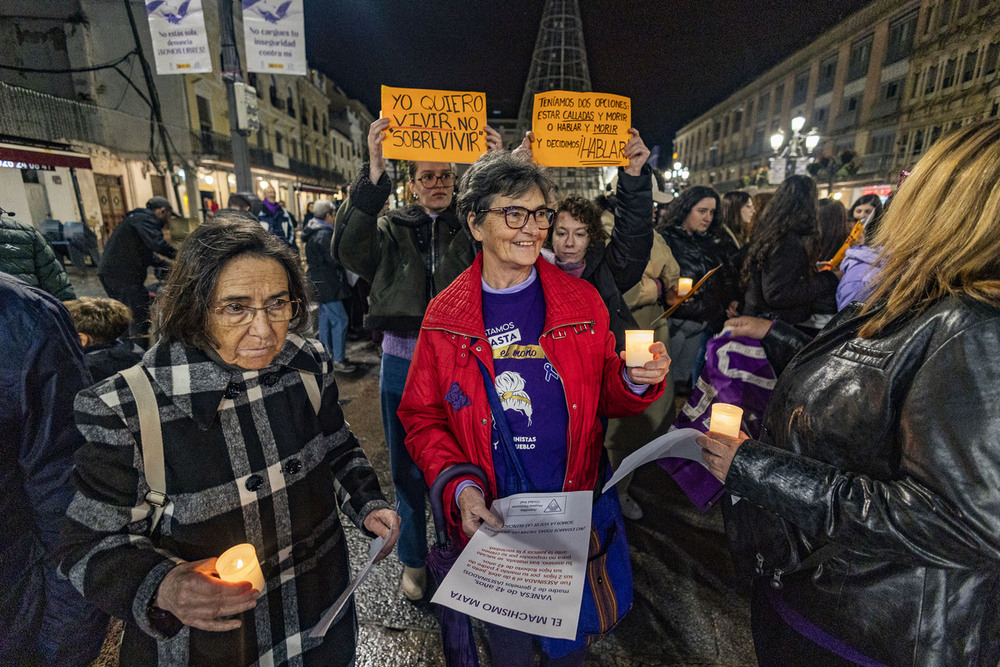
560,63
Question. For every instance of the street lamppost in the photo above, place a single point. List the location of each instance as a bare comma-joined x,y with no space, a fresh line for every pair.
796,153
676,178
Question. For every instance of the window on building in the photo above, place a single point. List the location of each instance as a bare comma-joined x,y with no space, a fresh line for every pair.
306,153
948,80
295,149
901,33
305,112
779,99
946,8
891,90
861,53
716,131
820,117
326,128
799,88
990,61
749,111
737,120
291,104
882,143
935,134
827,74
918,142
279,143
757,145
315,121
852,103
764,105
931,83
969,66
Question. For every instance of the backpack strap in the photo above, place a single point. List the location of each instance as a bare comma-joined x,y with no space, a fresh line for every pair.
152,440
312,389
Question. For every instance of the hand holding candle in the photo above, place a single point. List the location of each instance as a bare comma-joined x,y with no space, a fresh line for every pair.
684,286
198,598
240,563
637,344
726,419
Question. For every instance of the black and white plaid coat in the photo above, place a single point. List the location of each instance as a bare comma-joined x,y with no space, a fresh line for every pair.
247,460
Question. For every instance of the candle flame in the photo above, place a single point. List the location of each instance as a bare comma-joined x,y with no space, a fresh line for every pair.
239,563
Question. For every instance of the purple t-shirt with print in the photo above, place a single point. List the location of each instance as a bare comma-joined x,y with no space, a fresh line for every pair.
529,388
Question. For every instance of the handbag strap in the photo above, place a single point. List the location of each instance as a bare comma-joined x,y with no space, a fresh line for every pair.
503,428
152,440
312,389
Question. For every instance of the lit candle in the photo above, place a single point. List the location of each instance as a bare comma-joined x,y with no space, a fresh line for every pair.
684,286
726,419
240,563
637,342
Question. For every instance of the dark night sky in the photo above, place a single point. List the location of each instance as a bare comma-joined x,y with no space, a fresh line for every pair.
674,59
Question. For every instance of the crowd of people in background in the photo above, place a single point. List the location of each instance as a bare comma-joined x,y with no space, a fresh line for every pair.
870,472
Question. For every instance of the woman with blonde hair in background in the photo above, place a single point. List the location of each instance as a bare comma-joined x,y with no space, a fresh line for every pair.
877,475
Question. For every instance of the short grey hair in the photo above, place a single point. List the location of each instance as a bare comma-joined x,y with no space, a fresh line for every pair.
321,207
499,173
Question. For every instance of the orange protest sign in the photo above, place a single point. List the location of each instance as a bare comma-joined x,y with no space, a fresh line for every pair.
580,129
434,125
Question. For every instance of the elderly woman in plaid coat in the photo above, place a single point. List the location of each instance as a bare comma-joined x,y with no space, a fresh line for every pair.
248,458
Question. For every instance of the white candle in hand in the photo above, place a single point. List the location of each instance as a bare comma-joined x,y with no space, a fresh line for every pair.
684,286
637,343
240,563
726,419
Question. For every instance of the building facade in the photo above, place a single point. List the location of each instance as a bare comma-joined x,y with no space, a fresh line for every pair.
78,143
878,88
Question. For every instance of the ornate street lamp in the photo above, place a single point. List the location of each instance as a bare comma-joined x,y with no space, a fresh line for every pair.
796,153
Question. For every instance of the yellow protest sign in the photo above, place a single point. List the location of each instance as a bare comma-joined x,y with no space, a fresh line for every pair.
434,125
580,129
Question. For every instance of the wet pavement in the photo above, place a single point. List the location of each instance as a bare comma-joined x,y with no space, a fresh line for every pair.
689,607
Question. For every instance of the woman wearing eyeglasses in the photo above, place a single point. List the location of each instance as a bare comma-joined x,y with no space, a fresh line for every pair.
255,450
538,338
407,255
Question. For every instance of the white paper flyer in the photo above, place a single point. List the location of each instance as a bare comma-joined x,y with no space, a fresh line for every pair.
529,576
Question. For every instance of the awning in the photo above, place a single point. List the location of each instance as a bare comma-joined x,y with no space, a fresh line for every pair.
32,157
317,189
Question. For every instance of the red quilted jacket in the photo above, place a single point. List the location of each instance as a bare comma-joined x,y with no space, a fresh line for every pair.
445,410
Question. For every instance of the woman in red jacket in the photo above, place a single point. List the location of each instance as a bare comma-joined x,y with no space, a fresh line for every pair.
540,339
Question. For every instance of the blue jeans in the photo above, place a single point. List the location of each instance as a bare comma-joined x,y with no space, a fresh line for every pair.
407,478
333,328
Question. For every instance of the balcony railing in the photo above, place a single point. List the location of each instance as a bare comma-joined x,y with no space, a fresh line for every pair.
844,120
876,162
33,115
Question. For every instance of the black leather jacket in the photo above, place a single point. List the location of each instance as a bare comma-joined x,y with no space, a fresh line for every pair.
887,448
788,288
697,254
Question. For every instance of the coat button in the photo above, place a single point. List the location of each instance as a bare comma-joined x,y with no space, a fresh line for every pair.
232,391
479,349
484,421
254,482
574,406
271,379
293,466
600,580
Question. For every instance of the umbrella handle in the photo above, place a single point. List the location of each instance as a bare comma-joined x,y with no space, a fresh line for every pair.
437,488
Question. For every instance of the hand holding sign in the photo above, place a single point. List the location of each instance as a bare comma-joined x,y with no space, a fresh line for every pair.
636,152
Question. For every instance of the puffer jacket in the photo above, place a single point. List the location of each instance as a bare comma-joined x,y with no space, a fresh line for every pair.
697,254
26,255
886,448
324,271
787,287
445,411
405,256
860,272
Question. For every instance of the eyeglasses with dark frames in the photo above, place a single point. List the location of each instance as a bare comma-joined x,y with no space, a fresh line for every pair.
429,180
516,217
236,314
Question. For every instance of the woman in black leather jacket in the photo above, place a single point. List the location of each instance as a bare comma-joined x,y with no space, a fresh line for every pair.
870,511
780,275
689,231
